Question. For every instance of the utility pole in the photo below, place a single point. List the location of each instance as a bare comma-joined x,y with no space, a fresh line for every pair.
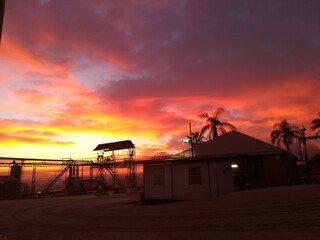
303,136
2,4
191,140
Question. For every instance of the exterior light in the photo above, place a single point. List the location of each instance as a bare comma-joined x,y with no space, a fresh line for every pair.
234,165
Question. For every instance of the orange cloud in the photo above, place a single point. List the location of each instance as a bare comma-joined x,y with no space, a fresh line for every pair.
22,138
33,97
11,51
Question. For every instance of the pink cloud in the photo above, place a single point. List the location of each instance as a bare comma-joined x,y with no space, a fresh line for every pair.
170,61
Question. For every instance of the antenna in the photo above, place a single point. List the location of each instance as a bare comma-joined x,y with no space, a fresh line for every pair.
191,140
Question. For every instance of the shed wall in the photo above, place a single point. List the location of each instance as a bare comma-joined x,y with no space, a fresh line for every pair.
216,179
182,189
154,189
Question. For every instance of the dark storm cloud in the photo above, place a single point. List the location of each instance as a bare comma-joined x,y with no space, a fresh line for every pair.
223,42
223,47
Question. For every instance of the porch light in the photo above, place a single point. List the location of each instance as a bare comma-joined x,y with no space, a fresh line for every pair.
234,165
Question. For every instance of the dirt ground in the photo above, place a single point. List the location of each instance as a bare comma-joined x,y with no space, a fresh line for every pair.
274,213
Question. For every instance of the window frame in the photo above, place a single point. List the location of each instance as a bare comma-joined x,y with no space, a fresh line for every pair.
195,175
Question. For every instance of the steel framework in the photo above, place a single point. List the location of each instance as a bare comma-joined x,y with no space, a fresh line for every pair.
303,151
73,170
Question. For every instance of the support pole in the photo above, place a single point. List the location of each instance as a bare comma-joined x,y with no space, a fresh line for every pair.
306,158
91,178
303,136
191,139
33,181
71,177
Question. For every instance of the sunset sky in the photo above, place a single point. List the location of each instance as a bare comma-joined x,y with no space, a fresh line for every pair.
77,73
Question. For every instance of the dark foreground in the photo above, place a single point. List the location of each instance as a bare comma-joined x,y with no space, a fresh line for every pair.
274,213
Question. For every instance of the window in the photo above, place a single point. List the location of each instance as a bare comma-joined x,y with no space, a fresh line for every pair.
195,176
158,176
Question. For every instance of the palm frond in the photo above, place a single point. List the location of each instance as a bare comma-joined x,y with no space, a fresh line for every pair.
204,115
214,125
217,112
315,124
228,125
222,130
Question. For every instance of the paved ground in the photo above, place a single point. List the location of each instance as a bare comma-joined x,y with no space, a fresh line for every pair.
274,213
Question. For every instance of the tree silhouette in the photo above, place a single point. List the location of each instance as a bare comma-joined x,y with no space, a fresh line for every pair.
161,155
316,124
195,138
284,133
214,125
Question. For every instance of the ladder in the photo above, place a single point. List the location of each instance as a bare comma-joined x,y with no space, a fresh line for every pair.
116,177
54,180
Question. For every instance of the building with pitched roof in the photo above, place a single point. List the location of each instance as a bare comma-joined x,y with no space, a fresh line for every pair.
233,161
255,163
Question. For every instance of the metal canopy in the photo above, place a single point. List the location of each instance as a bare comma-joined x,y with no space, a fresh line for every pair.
113,146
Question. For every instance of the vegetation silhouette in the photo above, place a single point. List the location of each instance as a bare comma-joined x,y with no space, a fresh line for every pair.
161,155
316,124
214,125
195,139
284,133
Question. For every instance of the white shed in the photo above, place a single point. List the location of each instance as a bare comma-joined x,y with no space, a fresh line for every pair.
186,179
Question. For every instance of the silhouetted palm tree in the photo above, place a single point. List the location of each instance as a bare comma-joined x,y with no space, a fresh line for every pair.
316,124
195,138
285,133
214,125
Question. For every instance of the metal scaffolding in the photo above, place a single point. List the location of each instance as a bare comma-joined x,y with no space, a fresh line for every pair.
302,141
83,176
111,161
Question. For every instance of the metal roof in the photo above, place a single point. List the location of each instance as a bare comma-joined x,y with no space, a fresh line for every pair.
113,146
232,143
